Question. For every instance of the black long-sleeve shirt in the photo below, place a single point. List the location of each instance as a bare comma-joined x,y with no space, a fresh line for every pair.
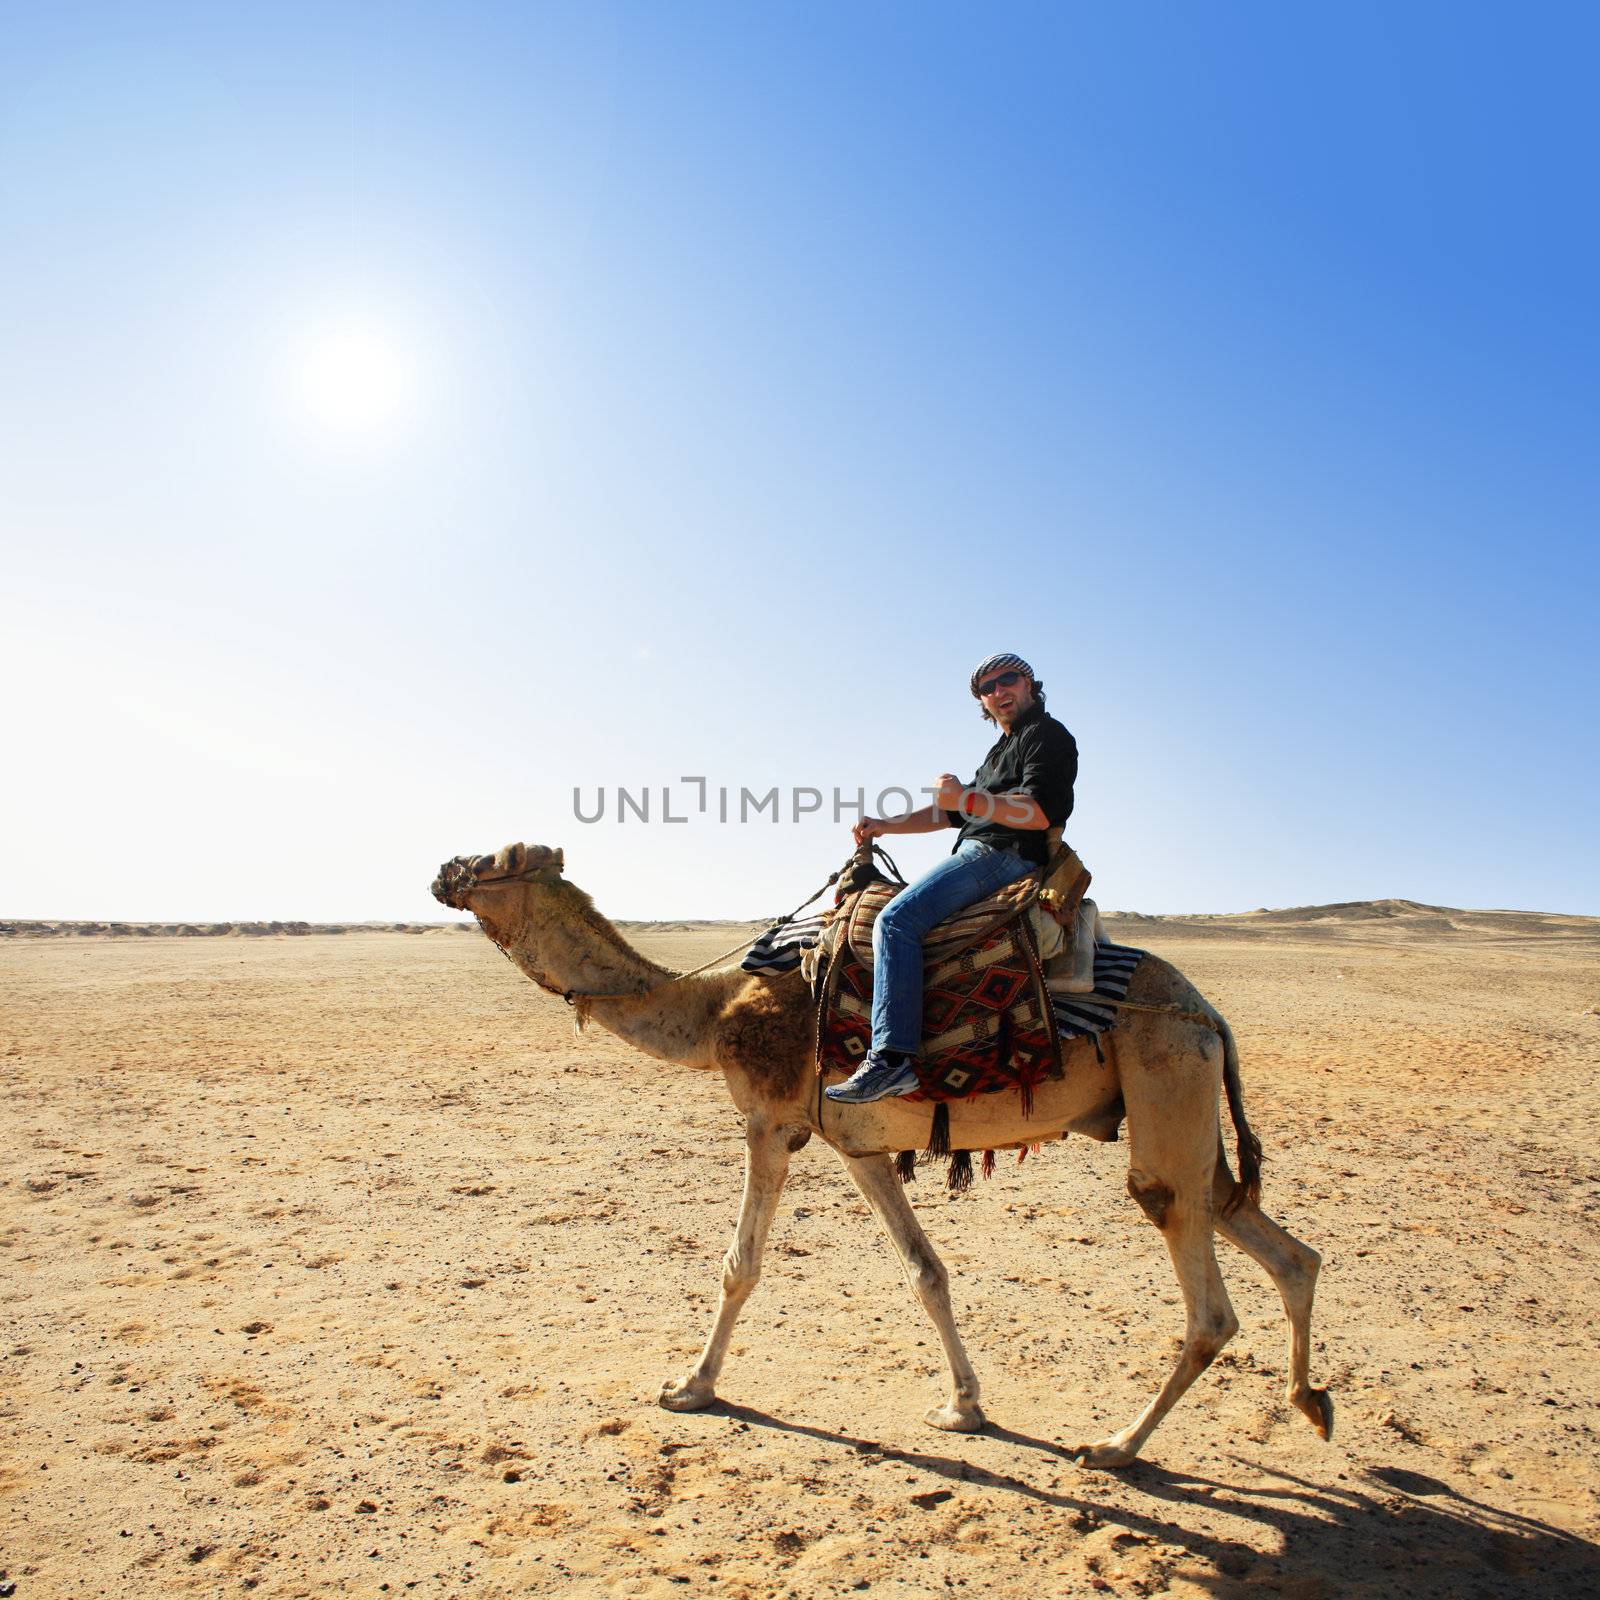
1038,758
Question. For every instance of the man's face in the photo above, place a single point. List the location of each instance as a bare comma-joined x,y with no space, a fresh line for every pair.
1007,701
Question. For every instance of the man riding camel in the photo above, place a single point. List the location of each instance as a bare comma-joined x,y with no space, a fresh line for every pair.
1023,788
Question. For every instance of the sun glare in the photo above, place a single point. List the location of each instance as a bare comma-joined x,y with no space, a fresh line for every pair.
354,379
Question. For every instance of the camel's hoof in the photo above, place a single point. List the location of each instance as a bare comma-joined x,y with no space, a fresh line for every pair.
690,1395
1106,1456
957,1419
1320,1411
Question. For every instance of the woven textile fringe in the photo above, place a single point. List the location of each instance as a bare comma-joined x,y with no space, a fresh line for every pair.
939,1135
958,1174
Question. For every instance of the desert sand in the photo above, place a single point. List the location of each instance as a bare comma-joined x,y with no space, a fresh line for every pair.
339,1265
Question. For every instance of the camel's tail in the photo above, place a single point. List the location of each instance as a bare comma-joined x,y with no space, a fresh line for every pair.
1247,1187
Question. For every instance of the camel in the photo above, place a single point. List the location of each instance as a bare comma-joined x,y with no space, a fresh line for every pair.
1173,1058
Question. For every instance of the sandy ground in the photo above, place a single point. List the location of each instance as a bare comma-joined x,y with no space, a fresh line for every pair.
337,1265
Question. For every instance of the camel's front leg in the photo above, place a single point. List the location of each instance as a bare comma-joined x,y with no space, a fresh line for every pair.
875,1178
766,1165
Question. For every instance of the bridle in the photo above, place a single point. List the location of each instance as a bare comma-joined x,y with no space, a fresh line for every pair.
546,874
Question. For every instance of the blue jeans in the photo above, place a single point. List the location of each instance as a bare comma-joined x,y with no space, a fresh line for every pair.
973,873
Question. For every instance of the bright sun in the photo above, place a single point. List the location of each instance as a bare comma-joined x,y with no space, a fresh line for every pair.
354,378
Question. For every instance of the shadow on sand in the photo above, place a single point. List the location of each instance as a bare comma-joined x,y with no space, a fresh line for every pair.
1392,1532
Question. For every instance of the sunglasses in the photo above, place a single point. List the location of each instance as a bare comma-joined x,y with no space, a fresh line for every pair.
1003,681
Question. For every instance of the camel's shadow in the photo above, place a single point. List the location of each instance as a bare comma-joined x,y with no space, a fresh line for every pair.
1392,1531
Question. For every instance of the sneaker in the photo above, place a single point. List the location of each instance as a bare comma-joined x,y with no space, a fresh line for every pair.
881,1075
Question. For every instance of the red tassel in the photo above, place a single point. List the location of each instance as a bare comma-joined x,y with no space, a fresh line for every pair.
988,1163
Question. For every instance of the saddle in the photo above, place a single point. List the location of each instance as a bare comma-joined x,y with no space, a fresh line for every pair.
996,976
987,1021
1066,926
948,938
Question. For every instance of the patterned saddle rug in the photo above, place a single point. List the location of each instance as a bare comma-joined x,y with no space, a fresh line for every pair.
987,1020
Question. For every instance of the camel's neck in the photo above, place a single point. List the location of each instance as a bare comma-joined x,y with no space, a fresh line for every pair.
675,1021
567,945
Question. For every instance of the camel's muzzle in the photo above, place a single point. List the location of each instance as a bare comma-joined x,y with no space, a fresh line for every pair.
516,865
455,882
460,876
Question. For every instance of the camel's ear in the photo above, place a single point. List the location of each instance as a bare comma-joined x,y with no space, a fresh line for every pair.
541,858
561,859
511,859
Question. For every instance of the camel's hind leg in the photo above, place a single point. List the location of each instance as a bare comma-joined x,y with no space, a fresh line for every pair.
1172,1131
1185,1224
1293,1267
875,1177
766,1165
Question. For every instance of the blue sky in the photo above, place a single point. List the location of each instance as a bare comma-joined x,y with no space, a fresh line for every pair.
763,368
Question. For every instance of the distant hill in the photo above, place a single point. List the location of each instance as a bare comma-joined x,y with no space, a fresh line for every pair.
1366,920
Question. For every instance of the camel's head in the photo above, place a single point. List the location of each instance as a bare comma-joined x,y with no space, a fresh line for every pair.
479,883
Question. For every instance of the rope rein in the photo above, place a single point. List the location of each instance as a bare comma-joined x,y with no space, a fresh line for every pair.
571,996
864,857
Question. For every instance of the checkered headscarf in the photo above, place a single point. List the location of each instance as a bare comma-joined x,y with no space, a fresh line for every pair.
1004,662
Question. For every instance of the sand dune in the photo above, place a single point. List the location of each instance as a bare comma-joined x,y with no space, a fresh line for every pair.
340,1263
